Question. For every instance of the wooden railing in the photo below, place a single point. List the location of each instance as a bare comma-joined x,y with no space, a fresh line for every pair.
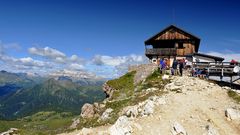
161,51
219,69
223,69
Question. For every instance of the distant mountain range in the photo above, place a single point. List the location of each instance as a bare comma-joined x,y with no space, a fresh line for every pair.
80,77
22,94
11,82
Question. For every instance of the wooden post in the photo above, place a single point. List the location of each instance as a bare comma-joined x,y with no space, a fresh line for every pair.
221,77
231,82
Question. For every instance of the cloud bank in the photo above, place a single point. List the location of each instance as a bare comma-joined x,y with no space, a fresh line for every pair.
47,60
228,56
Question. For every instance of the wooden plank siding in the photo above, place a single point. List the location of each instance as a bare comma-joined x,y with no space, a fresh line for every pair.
161,51
188,48
171,34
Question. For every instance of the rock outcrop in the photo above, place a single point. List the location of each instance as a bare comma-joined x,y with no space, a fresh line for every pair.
106,114
144,108
108,90
121,127
87,111
211,130
11,131
91,110
232,114
75,123
178,129
148,108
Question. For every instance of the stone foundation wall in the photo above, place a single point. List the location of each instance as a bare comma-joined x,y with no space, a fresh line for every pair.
143,71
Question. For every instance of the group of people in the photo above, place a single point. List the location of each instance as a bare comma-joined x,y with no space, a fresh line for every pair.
176,69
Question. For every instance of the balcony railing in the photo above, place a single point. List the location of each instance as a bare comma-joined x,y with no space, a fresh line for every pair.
161,51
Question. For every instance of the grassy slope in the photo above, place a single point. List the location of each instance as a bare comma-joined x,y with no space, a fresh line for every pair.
125,86
234,96
125,95
40,123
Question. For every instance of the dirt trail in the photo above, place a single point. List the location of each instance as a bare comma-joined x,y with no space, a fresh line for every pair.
198,106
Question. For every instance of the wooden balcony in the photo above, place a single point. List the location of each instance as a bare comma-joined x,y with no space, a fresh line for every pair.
161,51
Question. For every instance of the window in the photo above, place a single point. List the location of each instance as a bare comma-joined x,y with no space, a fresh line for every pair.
180,45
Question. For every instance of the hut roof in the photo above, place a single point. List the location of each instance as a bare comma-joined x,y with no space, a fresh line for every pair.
216,58
187,36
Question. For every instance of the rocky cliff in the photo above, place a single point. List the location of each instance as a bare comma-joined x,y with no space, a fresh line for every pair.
141,72
170,105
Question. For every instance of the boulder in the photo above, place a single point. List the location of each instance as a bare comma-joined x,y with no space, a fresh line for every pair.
75,123
106,114
108,90
131,111
148,108
121,127
178,129
11,131
232,114
87,111
158,100
172,87
211,130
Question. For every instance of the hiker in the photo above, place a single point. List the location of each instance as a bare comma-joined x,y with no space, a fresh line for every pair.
163,66
160,65
181,67
174,67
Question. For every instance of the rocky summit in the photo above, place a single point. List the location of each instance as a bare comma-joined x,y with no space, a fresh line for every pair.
186,106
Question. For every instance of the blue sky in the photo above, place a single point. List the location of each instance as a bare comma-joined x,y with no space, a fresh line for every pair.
105,35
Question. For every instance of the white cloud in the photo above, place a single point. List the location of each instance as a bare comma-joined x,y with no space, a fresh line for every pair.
228,56
26,62
47,60
60,59
46,52
55,55
108,60
117,65
75,66
74,58
118,60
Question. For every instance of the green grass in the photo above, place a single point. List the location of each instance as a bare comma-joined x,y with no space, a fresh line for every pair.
124,86
234,96
53,123
40,123
154,80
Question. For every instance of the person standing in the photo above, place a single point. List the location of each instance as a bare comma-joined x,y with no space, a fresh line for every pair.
163,66
160,65
174,67
181,67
